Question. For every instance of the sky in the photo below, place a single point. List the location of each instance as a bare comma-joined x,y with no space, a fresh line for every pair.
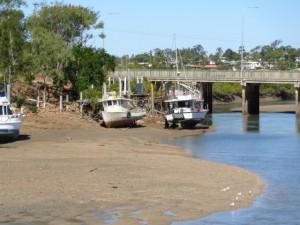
138,26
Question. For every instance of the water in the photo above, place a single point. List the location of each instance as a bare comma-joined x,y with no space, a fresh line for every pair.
268,145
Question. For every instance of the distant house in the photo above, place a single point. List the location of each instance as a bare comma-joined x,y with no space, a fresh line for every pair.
252,65
297,60
210,66
225,61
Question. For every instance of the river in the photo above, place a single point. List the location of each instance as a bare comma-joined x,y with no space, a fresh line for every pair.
268,145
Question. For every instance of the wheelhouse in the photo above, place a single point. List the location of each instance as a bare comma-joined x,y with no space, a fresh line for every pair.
5,110
116,102
183,104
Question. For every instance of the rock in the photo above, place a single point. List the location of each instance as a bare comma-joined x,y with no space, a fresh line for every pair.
68,138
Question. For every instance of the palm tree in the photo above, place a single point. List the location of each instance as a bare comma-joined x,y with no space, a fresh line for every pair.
102,36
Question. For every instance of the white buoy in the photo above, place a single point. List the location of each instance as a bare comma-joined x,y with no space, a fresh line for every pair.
239,194
232,204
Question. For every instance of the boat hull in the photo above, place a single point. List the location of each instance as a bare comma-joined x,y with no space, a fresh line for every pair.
186,116
119,119
9,128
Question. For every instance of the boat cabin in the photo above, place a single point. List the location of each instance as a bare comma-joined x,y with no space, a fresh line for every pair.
4,106
115,102
173,105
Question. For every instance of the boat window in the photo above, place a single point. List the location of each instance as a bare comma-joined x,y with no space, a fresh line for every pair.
124,103
1,110
184,104
9,112
198,105
4,110
109,103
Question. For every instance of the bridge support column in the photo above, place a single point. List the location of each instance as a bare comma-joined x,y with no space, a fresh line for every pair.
250,99
207,95
297,99
244,100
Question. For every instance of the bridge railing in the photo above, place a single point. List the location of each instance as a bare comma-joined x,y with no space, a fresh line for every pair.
212,76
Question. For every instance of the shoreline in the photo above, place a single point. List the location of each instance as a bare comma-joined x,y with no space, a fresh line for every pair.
69,170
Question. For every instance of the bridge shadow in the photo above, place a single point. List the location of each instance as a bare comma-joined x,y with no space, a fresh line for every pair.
20,138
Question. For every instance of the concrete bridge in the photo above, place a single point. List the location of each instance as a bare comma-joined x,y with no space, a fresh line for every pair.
250,81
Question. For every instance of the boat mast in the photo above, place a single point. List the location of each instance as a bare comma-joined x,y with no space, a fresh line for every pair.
176,56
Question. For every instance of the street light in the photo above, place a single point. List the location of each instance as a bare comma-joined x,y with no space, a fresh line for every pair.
242,43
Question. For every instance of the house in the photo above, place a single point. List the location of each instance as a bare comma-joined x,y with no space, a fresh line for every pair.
252,65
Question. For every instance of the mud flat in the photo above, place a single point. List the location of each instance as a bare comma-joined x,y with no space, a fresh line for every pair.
67,170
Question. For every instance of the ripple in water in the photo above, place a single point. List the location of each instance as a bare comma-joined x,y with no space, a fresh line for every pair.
268,145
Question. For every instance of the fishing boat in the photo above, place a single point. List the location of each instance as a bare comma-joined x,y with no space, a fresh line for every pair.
119,111
184,106
10,122
184,103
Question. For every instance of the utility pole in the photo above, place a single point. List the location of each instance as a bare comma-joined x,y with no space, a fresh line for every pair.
242,49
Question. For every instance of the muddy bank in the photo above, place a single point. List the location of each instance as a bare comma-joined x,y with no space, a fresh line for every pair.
67,170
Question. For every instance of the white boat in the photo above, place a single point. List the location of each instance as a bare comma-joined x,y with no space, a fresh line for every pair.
117,111
10,122
184,106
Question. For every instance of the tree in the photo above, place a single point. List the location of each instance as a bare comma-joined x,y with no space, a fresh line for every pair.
12,36
218,55
11,4
49,53
88,67
231,55
102,36
54,30
70,22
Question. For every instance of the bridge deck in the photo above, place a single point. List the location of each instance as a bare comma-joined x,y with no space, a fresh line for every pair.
273,77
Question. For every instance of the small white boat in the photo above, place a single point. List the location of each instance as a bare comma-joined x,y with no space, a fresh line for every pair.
184,107
117,111
10,122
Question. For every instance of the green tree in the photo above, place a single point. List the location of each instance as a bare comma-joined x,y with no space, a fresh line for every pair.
55,29
88,68
49,52
12,36
70,22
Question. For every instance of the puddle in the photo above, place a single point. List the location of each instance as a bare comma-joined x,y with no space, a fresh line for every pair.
169,213
144,222
106,217
135,214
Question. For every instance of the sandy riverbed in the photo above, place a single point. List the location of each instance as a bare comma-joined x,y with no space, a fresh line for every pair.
67,170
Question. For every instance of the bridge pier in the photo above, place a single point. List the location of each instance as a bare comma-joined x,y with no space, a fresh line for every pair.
250,99
297,99
208,96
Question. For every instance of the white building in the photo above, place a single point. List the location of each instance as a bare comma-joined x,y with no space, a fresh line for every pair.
252,65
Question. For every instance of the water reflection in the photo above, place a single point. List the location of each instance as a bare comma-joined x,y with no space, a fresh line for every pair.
251,123
298,124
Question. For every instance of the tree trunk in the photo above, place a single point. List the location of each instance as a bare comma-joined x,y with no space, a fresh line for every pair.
44,97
